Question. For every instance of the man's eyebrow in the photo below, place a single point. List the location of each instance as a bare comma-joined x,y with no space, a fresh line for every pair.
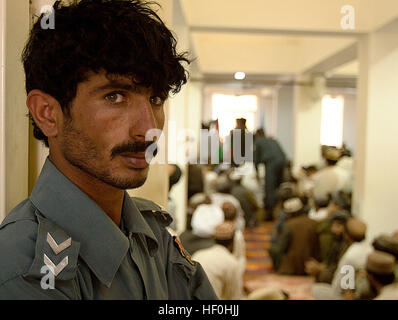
115,84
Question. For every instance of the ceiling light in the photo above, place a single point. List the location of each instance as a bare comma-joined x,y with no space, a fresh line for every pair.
239,75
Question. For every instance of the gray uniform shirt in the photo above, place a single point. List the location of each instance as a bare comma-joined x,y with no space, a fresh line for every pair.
93,258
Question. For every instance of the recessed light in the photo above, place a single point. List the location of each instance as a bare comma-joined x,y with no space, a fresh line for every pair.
239,75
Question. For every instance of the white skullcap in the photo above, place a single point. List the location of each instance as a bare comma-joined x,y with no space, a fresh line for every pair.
205,219
292,205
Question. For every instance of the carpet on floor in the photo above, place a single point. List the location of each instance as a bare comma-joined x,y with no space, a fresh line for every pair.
259,271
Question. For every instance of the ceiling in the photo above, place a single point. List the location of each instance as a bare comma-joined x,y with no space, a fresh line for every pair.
268,38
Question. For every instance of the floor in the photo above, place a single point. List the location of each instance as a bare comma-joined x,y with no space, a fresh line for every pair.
259,270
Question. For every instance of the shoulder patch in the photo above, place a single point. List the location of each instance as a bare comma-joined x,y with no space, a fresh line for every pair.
23,211
56,250
17,248
181,249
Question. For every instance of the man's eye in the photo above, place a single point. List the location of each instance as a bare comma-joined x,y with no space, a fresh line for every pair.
156,101
115,97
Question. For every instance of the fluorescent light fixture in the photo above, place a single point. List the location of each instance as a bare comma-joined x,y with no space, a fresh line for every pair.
239,75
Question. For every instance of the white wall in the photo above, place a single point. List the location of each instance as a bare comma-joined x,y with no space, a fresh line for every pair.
285,119
349,125
14,28
376,174
267,106
307,123
178,117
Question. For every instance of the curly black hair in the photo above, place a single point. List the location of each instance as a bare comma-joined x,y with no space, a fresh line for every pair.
120,37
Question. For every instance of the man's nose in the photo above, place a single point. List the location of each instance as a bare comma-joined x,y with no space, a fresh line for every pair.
143,118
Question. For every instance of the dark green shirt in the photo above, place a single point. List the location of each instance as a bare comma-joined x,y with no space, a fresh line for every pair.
268,151
139,260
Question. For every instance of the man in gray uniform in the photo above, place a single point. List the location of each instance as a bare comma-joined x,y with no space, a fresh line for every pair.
269,152
96,84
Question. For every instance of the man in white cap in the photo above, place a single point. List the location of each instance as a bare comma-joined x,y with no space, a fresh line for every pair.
332,178
204,220
223,193
298,240
221,266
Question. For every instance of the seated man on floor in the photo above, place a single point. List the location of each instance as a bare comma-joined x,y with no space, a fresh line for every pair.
354,230
223,193
320,210
353,260
356,257
297,242
239,251
330,233
287,190
380,269
204,220
221,266
246,199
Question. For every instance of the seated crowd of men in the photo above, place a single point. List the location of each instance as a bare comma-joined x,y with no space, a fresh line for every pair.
315,232
214,235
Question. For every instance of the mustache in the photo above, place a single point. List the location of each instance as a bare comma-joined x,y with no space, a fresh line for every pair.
133,147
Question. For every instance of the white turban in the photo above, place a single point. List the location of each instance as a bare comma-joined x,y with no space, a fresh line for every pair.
205,219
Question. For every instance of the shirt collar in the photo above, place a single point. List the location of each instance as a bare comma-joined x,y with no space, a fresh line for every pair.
134,222
103,245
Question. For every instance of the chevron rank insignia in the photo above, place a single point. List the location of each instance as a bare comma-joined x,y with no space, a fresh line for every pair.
57,248
56,269
178,244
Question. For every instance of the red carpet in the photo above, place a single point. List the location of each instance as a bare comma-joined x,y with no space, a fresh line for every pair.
259,270
258,262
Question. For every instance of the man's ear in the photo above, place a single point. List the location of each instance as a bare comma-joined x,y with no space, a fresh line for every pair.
44,110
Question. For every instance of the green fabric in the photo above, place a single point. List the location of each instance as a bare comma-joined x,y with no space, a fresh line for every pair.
267,150
326,239
141,260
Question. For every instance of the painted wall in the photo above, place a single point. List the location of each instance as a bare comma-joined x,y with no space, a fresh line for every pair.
14,128
376,137
307,123
349,125
285,119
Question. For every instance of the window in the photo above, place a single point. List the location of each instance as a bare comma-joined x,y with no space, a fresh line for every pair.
332,121
228,108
